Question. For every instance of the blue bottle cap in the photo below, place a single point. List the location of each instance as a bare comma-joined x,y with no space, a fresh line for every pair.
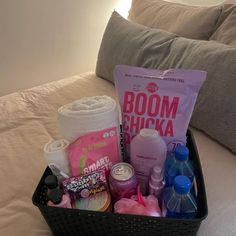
182,184
181,153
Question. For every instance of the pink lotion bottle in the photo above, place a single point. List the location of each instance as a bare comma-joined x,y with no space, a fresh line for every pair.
58,199
147,149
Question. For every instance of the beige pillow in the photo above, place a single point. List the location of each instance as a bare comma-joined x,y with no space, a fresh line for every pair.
226,26
192,22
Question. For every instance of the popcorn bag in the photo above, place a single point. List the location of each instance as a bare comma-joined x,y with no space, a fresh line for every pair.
161,100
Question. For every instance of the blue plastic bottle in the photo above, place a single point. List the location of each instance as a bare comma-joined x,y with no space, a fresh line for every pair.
178,201
178,163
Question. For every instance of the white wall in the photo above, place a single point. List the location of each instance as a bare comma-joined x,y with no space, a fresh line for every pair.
45,40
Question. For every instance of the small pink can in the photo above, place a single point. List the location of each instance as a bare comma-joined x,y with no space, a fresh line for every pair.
122,181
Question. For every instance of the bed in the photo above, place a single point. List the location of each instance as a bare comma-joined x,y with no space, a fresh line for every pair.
29,119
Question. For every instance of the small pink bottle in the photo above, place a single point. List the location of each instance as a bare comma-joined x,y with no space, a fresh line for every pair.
156,182
58,199
147,149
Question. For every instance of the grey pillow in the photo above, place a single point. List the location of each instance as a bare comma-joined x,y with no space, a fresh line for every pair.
129,43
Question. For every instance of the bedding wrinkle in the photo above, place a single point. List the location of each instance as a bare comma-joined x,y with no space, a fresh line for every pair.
16,123
21,159
15,210
21,152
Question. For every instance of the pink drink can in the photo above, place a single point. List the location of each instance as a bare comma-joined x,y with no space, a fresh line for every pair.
122,181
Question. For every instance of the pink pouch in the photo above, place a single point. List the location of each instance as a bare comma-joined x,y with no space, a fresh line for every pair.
94,151
138,205
162,100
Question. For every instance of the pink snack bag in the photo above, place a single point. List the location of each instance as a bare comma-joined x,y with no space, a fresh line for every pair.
94,151
161,100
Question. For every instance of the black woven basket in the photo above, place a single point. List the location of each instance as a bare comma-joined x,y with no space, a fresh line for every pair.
81,222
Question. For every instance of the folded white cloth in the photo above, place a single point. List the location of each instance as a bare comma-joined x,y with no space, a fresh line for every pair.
86,115
55,152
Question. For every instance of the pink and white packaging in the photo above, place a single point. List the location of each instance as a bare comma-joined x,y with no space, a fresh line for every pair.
133,207
94,151
161,100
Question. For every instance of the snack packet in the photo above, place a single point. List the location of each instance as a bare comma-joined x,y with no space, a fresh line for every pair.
161,100
94,151
86,185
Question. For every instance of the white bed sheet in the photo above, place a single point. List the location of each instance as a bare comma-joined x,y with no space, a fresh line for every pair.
28,119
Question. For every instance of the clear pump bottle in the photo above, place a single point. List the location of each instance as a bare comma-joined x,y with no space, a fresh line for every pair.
156,182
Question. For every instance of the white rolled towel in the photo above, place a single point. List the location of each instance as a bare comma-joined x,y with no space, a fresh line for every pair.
55,151
86,115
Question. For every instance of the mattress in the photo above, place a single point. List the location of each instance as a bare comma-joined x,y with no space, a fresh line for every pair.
28,120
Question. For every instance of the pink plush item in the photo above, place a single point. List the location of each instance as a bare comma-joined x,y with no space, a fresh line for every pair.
133,207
